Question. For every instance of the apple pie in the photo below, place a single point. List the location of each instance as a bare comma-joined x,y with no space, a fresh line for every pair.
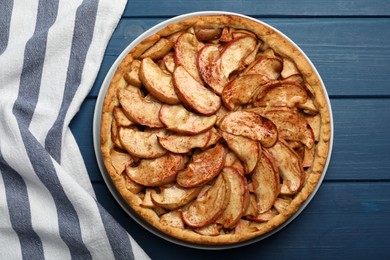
215,129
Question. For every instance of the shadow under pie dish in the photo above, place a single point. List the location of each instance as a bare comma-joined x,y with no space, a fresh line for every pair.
215,129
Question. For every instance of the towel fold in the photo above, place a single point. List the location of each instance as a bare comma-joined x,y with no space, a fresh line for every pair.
50,54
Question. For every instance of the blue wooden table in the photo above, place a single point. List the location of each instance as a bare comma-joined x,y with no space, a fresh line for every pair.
349,43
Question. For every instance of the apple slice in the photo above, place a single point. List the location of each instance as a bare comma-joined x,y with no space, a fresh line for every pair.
186,52
169,62
315,124
239,198
132,77
214,138
266,182
194,94
290,167
142,144
281,205
208,207
180,120
203,167
158,50
177,143
269,67
212,229
172,219
240,90
233,162
147,201
115,134
252,56
120,160
281,94
156,172
120,118
158,82
207,34
247,150
174,196
291,125
139,109
209,68
226,35
289,68
250,125
131,185
235,52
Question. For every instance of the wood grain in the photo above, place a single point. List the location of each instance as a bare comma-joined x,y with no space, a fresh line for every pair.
137,8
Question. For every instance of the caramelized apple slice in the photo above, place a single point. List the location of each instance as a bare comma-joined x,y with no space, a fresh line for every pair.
214,138
120,160
139,109
246,149
239,198
158,50
266,183
289,68
180,120
281,204
233,162
291,125
226,35
158,82
212,229
186,51
169,62
208,207
172,219
240,90
315,124
131,185
207,34
177,143
250,125
142,144
290,167
269,67
203,167
194,94
147,201
209,68
120,118
174,196
115,134
234,53
132,77
281,94
156,172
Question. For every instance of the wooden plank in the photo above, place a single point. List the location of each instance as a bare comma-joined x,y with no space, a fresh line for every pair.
138,8
361,144
343,221
350,54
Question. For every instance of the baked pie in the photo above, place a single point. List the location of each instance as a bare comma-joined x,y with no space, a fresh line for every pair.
215,129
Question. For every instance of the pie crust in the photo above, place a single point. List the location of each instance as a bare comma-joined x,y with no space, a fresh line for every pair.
302,139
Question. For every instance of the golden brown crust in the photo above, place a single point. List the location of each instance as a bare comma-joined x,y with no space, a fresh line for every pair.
283,48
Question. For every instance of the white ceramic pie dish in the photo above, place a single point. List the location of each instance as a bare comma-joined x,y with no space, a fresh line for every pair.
111,186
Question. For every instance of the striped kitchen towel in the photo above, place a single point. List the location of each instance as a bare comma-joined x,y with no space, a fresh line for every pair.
50,53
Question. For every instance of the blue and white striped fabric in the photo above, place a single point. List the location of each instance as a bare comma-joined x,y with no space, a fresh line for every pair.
50,53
